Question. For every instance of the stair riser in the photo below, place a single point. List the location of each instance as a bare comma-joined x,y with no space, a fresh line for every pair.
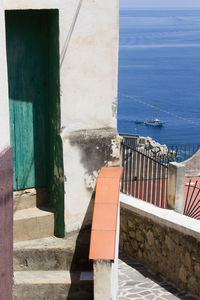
33,228
54,269
47,260
23,202
30,198
42,260
83,291
43,291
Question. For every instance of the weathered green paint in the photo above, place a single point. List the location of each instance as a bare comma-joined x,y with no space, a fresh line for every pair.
32,38
27,49
55,167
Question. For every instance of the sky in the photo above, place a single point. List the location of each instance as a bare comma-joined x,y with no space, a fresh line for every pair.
148,4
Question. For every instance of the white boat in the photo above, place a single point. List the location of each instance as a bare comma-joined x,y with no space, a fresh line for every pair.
154,122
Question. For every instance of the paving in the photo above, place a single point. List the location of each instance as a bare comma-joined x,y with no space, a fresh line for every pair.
137,282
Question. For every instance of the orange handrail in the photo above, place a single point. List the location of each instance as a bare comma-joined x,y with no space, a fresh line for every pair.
105,213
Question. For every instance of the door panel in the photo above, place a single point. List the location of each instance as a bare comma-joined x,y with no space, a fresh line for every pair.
27,55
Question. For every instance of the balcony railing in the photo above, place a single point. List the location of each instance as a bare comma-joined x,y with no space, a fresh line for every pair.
144,177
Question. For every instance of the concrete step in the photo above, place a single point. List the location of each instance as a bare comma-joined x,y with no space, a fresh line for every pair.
51,253
33,223
52,285
30,198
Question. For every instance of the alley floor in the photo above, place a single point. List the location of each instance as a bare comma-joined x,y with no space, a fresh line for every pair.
137,282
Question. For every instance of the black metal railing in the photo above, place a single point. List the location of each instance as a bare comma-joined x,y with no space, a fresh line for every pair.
144,177
164,153
183,152
192,200
167,154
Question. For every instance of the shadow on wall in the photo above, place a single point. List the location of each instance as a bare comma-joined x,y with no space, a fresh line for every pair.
96,148
81,262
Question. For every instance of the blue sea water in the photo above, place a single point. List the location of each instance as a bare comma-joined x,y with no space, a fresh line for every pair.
159,64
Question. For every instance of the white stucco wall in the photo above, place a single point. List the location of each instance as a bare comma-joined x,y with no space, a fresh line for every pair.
4,111
88,87
77,197
83,158
89,71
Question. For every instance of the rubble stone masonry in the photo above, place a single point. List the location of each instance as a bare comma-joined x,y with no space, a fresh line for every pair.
164,250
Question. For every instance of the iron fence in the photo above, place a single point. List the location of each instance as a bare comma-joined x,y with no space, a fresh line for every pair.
144,177
192,200
162,153
167,154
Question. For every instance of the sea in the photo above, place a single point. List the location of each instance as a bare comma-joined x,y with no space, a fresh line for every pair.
159,74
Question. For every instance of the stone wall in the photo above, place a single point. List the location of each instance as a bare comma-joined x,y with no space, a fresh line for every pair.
162,248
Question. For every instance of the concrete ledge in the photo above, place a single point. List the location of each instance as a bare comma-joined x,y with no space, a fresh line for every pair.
167,217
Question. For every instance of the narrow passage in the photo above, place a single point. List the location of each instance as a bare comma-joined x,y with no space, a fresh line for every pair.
137,282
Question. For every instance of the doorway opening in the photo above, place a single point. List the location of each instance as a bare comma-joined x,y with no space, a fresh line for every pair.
32,41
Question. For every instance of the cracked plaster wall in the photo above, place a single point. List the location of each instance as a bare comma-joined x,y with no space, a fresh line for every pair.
85,153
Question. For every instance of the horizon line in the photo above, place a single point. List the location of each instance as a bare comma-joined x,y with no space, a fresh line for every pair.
160,46
159,8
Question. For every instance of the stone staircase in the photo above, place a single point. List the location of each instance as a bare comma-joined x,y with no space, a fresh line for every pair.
46,267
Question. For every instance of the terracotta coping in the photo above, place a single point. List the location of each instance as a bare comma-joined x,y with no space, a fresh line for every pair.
104,222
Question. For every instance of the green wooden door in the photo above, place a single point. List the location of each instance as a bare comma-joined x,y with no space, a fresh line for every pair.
27,57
